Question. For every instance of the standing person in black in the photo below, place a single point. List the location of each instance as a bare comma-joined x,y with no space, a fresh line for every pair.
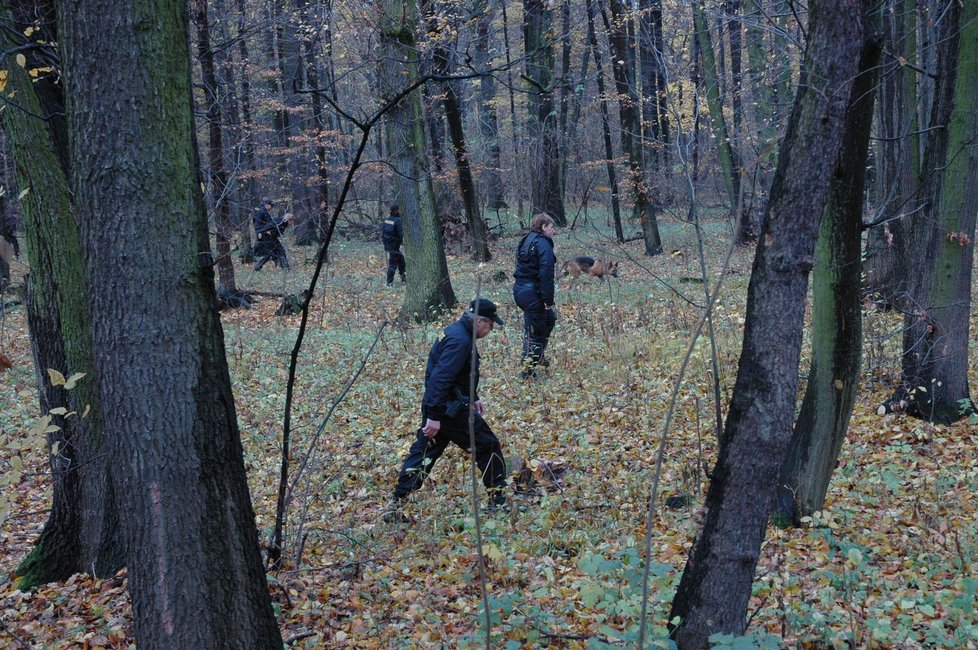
445,410
534,291
268,230
393,236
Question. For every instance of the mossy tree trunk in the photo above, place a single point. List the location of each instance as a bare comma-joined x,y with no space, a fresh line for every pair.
833,379
429,288
935,344
715,587
729,164
81,533
195,573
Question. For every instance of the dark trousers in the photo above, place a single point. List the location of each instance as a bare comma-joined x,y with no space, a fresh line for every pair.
270,248
538,323
395,263
424,452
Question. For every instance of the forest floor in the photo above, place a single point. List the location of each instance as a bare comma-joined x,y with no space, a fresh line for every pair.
890,562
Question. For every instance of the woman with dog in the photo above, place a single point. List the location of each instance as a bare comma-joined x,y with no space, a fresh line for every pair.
534,291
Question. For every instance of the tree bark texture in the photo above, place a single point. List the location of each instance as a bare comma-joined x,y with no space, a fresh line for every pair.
429,287
443,63
762,99
81,533
897,158
935,354
609,152
716,584
836,309
215,150
655,100
624,69
488,117
543,139
195,573
729,165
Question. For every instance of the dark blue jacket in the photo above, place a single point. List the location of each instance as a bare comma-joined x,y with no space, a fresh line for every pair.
392,235
267,225
535,262
449,365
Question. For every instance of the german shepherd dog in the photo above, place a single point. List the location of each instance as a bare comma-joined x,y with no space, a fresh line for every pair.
590,266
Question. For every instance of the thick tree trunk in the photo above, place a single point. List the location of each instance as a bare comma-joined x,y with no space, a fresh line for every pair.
836,310
935,353
195,573
609,153
542,132
429,287
81,534
716,584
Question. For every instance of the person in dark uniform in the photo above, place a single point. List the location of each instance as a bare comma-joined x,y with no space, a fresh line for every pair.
533,291
268,231
393,237
445,410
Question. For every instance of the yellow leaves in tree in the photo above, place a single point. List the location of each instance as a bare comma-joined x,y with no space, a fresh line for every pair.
3,79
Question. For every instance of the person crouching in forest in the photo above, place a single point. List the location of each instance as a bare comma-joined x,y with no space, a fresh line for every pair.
533,291
268,231
445,411
393,237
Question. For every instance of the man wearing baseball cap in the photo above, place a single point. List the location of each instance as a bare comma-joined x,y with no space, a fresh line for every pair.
445,410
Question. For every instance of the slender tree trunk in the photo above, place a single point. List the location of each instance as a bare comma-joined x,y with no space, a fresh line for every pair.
623,66
542,133
215,147
514,120
195,573
656,122
429,287
897,158
729,165
444,65
319,218
716,584
836,309
762,99
488,118
609,153
81,533
565,95
250,185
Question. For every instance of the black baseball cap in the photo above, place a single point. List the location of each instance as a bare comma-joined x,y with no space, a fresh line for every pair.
485,308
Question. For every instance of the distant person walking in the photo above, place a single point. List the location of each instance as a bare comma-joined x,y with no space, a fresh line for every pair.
268,233
533,292
393,237
445,410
